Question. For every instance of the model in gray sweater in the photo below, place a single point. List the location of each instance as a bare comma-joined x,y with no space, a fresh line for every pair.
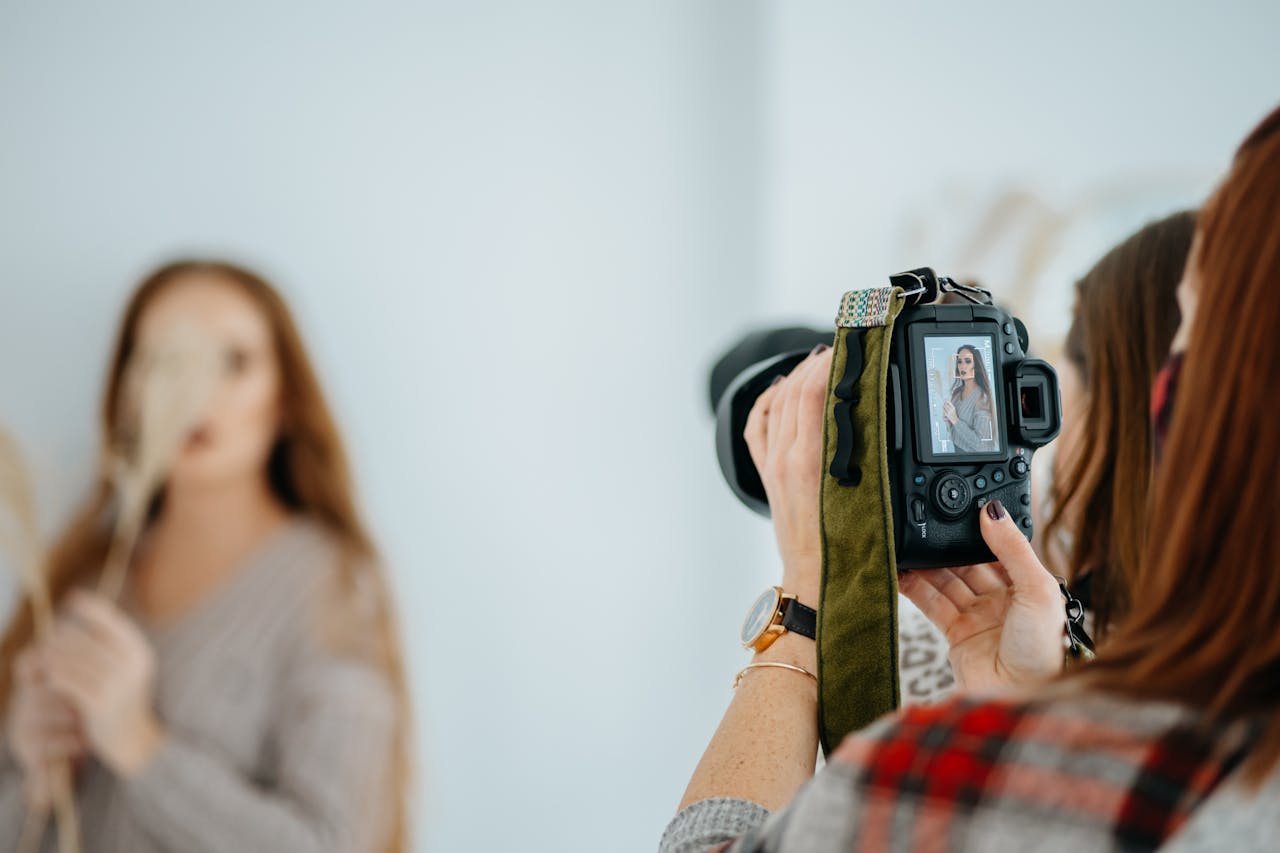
273,741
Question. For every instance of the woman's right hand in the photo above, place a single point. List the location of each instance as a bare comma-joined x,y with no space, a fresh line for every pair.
43,730
1004,620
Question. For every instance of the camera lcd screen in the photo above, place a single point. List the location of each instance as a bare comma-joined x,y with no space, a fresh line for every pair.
963,416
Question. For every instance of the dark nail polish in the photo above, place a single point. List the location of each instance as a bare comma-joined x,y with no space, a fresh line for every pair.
819,348
995,510
776,380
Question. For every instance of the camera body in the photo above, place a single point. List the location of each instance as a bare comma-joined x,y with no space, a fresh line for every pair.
965,409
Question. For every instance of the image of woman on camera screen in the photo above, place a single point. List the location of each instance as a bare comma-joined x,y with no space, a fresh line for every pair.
968,412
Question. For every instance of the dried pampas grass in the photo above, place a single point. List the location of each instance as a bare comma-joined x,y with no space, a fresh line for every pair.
167,390
20,542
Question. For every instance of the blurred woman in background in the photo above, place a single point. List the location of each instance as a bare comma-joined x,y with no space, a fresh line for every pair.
249,693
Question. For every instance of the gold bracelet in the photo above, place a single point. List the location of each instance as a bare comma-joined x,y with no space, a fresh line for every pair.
789,666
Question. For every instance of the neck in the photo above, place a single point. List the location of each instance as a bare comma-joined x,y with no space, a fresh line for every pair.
230,512
970,384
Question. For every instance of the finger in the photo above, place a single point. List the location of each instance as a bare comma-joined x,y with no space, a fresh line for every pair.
756,432
55,748
949,585
71,641
53,711
983,578
99,616
773,424
788,421
1027,575
936,607
75,682
26,667
812,403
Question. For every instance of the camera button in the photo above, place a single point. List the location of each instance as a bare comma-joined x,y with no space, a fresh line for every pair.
1009,348
918,479
1019,467
997,476
980,483
917,511
1025,521
1024,499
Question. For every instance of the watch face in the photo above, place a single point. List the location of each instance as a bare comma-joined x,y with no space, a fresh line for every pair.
760,616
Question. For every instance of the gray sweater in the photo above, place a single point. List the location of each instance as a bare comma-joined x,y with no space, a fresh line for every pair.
974,431
275,743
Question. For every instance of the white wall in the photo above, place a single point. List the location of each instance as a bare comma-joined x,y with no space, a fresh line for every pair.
515,235
893,128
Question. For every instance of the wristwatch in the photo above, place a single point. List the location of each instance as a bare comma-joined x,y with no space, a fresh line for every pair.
774,614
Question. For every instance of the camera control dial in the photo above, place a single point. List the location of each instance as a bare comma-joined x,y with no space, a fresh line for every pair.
951,494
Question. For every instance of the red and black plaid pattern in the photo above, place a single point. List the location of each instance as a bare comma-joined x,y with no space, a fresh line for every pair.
1070,773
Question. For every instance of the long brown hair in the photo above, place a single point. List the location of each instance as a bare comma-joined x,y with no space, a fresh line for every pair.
307,471
1125,316
1202,629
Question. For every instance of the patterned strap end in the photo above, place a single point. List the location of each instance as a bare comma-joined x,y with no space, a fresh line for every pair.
863,309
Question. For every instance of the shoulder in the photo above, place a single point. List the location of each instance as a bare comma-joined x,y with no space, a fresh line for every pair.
1002,728
1074,761
322,588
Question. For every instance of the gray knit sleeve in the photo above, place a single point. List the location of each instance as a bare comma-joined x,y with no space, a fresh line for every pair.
708,823
13,808
329,787
975,437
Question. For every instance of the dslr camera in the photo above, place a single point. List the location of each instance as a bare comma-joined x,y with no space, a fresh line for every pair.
965,409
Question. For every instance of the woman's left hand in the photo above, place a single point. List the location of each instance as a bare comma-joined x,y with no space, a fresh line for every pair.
784,437
101,663
949,413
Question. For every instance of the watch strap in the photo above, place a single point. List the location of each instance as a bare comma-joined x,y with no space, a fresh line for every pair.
799,618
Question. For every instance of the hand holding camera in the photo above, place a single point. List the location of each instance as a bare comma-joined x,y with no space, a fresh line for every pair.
784,436
1002,620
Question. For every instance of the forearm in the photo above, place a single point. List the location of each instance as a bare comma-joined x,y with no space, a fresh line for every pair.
766,745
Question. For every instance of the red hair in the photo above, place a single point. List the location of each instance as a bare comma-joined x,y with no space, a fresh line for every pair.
1206,605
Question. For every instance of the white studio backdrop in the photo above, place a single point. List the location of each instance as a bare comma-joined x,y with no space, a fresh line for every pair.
516,235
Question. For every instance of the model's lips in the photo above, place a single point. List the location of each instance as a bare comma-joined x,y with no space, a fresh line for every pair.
199,438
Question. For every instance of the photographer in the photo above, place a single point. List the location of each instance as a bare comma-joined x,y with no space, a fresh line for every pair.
1118,753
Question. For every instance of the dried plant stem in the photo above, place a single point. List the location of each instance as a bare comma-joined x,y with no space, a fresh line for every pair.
22,536
116,569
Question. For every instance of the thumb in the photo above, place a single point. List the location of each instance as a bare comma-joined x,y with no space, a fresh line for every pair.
1005,539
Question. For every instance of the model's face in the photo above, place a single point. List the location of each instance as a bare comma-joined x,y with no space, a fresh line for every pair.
1069,444
964,364
1188,296
233,439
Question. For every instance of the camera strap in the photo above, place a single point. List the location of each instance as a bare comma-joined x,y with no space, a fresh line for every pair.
858,610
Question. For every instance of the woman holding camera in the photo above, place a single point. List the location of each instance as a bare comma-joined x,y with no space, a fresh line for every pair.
1121,752
248,693
969,413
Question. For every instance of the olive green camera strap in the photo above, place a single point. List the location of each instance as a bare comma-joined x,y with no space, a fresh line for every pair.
858,611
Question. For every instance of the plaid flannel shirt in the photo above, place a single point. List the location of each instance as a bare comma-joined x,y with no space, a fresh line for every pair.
1079,774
